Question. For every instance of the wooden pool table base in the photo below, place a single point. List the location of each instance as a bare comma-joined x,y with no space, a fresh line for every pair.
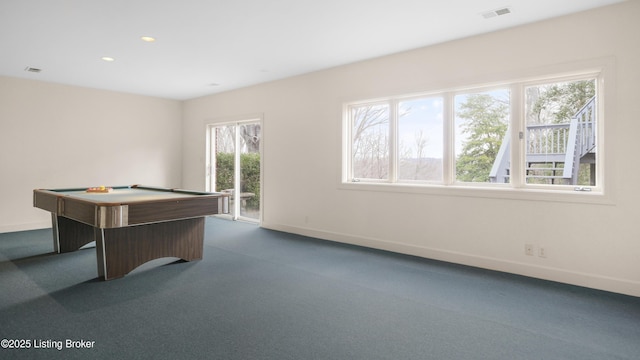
120,250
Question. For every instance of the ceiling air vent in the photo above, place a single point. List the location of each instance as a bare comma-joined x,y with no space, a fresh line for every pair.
497,12
32,69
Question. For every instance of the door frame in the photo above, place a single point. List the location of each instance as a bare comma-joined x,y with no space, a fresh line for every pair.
210,177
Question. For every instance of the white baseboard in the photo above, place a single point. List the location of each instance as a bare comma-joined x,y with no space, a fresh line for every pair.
24,227
590,280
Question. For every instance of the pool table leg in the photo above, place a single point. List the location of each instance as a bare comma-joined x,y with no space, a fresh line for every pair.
120,250
69,235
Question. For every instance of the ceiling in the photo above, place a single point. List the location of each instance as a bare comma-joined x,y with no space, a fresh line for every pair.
207,46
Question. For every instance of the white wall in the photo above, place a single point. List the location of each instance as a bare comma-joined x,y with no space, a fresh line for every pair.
56,136
592,245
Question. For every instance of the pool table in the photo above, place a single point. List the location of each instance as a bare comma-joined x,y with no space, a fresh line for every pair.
130,225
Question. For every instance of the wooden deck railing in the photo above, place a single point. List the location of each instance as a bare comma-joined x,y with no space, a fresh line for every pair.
586,122
547,139
563,143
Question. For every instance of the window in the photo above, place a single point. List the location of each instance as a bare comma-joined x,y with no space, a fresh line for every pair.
560,137
420,130
370,141
397,141
539,134
481,122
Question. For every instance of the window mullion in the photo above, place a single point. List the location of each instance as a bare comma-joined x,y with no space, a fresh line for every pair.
518,136
393,141
347,149
448,158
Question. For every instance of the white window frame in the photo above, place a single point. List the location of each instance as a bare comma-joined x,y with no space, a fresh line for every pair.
517,188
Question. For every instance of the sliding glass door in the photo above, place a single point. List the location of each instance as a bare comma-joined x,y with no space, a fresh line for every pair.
234,166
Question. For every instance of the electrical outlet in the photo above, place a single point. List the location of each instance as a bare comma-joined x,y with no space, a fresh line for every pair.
542,252
528,249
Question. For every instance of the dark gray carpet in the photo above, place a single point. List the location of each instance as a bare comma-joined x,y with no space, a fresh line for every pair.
261,294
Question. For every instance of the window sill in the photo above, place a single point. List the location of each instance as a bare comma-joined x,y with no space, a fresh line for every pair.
489,191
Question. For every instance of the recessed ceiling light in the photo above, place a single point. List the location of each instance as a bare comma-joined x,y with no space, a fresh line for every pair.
32,69
147,38
214,84
108,59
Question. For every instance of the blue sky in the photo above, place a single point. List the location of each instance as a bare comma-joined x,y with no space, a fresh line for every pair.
426,114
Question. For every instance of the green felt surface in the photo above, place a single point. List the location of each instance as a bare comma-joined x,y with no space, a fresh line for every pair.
124,195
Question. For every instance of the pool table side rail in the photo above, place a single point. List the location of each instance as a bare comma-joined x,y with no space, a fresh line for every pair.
172,209
112,215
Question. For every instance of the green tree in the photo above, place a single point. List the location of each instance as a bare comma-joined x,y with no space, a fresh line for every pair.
224,171
486,124
250,182
557,103
250,172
